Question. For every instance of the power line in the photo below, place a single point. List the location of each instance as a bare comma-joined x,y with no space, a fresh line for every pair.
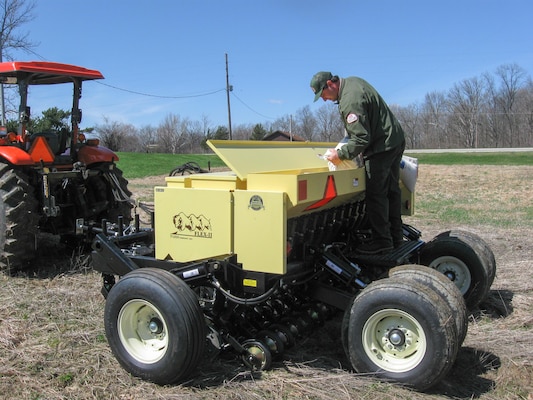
160,96
250,108
140,93
227,89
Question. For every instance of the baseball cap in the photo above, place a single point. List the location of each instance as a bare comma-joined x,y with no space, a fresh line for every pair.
319,81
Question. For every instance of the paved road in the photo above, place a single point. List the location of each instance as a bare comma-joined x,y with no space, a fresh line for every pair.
492,150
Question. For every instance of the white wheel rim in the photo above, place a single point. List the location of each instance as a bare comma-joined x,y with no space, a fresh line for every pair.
394,340
143,331
456,270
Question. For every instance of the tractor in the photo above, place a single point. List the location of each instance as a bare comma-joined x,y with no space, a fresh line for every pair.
247,262
56,182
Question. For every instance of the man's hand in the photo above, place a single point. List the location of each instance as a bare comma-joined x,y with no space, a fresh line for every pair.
332,156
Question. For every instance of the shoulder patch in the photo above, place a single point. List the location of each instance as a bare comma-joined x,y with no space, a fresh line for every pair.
351,118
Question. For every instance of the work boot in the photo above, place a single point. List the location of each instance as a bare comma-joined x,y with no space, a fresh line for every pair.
376,247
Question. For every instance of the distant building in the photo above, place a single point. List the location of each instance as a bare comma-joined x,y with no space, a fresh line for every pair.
280,136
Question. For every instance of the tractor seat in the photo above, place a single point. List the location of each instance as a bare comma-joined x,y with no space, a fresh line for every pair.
56,140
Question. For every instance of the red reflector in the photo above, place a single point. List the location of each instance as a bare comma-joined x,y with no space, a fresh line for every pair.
302,190
329,194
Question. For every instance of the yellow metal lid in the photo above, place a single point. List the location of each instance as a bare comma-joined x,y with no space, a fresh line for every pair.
248,157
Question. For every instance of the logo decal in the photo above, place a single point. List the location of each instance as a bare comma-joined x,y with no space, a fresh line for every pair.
192,225
351,118
256,203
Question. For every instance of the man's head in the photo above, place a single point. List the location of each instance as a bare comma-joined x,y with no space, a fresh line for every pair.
319,81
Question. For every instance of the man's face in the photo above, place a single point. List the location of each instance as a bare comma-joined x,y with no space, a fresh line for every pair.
330,92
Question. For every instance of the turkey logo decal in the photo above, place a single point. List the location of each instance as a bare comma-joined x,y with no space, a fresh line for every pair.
192,225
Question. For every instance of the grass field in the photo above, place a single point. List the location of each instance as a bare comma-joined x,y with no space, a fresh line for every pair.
504,158
452,205
138,165
53,344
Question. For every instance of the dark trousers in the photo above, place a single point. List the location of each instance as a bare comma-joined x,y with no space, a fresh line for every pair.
384,197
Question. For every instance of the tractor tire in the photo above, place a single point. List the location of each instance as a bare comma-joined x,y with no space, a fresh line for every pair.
19,220
155,326
102,189
401,331
461,261
444,287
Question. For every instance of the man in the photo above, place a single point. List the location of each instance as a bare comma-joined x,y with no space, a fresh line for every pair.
374,132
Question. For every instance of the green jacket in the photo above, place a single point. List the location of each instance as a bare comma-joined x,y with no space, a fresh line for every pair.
371,126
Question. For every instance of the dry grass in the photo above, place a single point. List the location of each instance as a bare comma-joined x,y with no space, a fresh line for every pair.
52,342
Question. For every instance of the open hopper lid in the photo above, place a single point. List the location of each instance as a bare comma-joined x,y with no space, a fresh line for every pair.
247,156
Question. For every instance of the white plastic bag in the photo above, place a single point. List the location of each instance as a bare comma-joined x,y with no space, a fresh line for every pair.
344,164
409,172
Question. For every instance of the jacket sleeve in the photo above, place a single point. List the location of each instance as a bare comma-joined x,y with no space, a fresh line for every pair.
355,119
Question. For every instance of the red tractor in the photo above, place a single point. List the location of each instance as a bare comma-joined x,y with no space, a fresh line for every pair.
56,182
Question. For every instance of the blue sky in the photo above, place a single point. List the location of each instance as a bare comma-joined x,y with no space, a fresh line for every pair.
174,50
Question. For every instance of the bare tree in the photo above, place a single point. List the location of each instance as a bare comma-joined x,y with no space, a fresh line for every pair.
305,123
242,131
512,78
434,120
117,136
466,107
197,133
13,14
409,118
148,139
494,132
525,109
173,134
329,124
283,124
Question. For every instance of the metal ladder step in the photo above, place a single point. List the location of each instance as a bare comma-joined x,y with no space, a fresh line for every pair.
395,257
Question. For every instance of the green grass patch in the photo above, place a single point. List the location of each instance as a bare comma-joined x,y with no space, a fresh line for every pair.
509,158
140,165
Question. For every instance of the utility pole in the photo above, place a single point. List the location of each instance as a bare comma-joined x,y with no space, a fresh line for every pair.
2,103
290,127
229,88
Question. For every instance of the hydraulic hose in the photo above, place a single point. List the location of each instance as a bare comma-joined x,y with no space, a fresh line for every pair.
241,300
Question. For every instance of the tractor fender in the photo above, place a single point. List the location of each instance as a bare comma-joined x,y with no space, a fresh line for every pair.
96,154
15,155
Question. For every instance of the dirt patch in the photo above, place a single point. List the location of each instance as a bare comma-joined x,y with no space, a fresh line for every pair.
53,346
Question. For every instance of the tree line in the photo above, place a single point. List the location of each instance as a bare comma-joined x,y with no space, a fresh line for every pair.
491,110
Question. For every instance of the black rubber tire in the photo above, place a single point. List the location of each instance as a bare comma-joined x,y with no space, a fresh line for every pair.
480,247
456,258
19,220
155,298
444,287
401,331
345,325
